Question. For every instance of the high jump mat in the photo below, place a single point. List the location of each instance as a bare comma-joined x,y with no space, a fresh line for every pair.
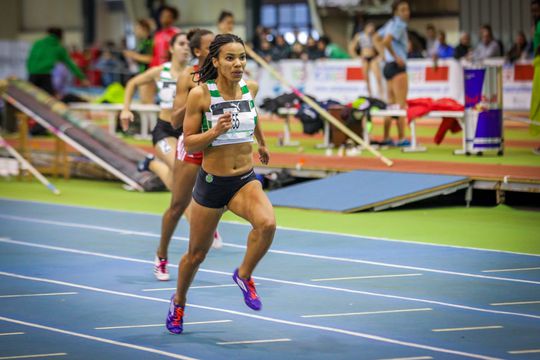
366,190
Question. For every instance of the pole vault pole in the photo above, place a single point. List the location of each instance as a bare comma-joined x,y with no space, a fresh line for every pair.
28,166
325,114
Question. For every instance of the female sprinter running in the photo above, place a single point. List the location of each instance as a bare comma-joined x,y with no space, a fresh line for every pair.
221,121
392,38
164,137
186,165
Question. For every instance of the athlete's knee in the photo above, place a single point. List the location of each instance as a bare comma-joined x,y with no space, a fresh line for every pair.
196,257
266,225
175,212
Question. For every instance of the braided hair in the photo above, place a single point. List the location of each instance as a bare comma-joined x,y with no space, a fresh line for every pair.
208,71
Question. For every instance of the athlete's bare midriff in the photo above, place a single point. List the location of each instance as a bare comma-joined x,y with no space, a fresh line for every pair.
165,115
228,160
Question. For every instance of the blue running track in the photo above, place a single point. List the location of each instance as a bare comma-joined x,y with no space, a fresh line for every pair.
77,283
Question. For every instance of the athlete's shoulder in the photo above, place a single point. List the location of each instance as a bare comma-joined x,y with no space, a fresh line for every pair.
199,92
253,86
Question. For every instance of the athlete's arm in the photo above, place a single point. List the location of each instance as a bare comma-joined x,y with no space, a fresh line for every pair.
197,104
142,58
378,43
387,43
393,32
264,155
183,85
352,45
150,75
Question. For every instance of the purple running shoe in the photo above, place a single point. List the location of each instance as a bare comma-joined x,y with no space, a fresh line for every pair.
251,298
175,318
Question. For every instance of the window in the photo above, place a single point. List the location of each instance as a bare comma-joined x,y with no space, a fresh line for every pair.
291,19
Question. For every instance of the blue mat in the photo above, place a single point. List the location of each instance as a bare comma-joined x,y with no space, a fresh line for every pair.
362,190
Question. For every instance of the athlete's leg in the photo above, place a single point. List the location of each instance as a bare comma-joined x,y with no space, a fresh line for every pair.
252,204
184,175
376,69
166,152
366,69
388,120
400,85
200,240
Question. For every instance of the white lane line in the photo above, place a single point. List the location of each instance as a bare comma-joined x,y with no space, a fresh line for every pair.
507,270
31,356
411,358
128,327
32,295
274,251
470,328
98,339
309,231
518,352
160,289
12,333
293,283
516,303
194,287
367,313
160,325
253,342
365,277
214,286
253,316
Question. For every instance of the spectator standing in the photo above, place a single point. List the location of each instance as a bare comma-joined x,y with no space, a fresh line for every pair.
518,51
298,52
331,49
488,46
313,50
369,56
109,65
266,50
225,22
143,56
464,47
167,17
534,114
392,38
444,51
44,55
281,49
432,44
145,44
414,49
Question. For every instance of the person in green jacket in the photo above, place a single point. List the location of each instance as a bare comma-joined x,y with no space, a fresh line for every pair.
44,55
535,98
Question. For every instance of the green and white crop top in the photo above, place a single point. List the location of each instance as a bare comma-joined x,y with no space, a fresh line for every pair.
244,115
166,87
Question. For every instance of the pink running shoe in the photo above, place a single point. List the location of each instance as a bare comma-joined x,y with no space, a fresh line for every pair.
218,242
160,269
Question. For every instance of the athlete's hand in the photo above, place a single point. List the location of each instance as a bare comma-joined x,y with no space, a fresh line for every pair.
400,62
224,124
264,155
126,117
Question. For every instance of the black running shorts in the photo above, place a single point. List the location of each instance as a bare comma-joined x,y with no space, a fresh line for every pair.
217,191
164,129
392,69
